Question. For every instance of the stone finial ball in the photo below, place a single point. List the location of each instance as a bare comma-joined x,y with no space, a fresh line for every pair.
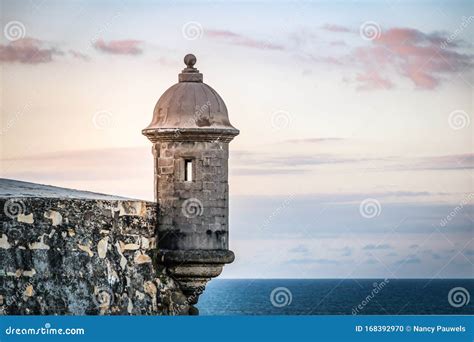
190,60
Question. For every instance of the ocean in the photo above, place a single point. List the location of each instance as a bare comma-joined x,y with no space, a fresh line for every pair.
337,297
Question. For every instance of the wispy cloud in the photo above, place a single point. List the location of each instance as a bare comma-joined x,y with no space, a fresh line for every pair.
372,247
283,163
306,261
79,55
27,51
312,140
335,28
413,54
300,249
242,40
446,162
424,58
411,259
119,47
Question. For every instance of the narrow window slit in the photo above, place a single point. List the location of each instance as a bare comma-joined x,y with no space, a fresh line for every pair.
188,170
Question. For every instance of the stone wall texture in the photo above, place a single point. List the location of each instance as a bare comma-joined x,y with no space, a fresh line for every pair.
83,257
193,215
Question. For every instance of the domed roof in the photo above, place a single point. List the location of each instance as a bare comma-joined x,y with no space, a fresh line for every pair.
190,109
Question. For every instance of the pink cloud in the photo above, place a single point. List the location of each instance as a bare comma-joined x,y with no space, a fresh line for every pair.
238,39
418,56
335,28
425,59
119,47
27,51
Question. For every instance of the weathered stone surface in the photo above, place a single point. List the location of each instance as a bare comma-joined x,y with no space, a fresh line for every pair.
190,132
82,257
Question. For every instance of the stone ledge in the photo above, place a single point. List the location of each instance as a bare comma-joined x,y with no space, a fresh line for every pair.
169,257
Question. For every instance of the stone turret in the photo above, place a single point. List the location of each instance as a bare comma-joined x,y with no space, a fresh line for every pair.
190,132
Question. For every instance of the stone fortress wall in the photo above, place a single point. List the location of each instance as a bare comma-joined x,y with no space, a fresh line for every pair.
65,252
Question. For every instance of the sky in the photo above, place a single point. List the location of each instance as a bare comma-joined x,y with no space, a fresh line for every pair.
355,157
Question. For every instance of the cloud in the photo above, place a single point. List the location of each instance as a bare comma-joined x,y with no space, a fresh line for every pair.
445,162
27,51
281,163
372,247
305,261
425,59
293,161
346,251
312,140
338,43
119,47
411,259
241,40
370,80
273,171
300,249
79,55
335,28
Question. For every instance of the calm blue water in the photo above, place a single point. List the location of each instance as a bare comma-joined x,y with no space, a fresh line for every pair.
335,297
